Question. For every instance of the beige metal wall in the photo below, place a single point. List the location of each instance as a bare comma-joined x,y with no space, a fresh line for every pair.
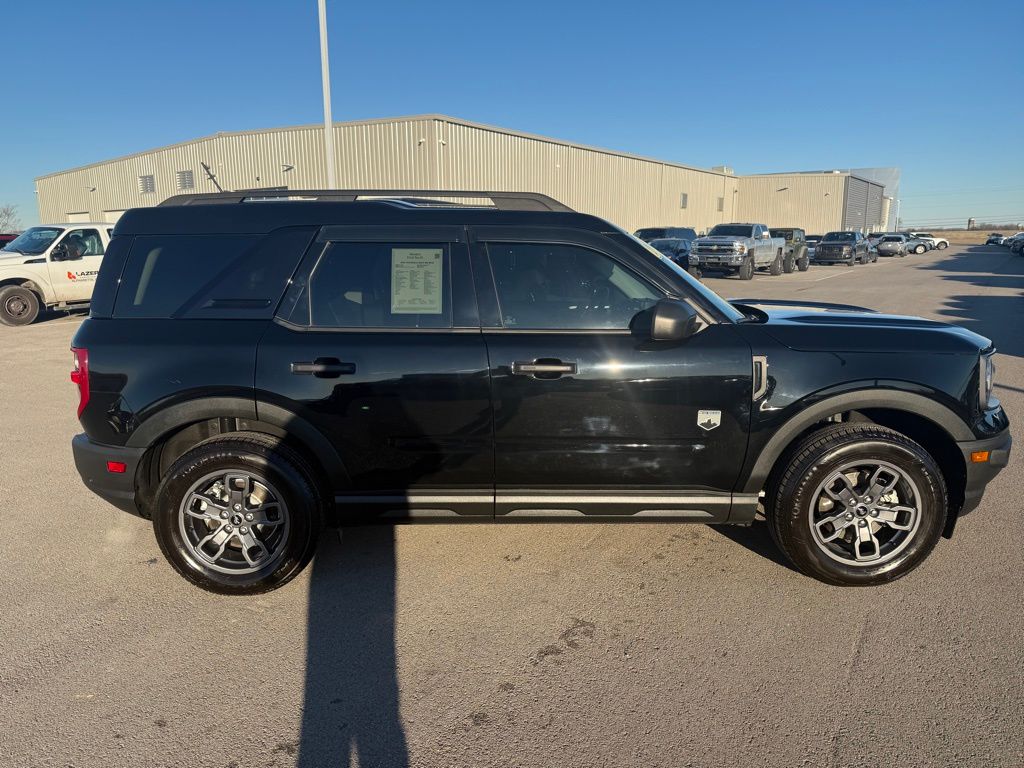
428,152
811,201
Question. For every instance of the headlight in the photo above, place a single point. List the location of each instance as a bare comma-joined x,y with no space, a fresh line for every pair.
739,247
987,373
847,249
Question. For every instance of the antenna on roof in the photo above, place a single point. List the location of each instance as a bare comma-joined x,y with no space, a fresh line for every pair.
210,176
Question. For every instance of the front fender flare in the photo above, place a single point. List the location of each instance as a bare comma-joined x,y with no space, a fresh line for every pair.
920,405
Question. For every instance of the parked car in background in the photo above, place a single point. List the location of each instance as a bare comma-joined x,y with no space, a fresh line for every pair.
53,265
812,243
647,234
892,245
1009,240
939,243
794,255
1017,244
846,247
995,239
7,237
676,248
739,249
916,244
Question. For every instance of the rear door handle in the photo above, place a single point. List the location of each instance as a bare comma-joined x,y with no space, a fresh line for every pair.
324,368
543,369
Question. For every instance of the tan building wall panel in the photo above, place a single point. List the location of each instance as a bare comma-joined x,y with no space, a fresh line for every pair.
435,152
811,201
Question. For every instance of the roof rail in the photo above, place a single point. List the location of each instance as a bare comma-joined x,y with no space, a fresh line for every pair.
506,201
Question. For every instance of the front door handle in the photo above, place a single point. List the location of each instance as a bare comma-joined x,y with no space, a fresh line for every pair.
324,368
544,368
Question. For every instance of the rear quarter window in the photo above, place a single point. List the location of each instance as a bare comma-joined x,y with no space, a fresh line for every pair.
209,276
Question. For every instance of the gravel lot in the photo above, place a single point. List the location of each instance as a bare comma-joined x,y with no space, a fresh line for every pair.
559,645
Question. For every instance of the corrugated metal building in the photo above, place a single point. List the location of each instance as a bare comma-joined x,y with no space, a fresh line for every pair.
438,152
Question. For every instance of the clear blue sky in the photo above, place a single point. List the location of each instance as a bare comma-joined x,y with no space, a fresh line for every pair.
933,87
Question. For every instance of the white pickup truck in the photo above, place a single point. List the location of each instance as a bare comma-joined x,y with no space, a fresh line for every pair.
52,266
738,249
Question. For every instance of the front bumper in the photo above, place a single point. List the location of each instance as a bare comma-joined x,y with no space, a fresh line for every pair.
979,474
717,259
117,488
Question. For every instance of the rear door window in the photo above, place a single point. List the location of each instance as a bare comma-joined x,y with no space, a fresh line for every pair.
378,285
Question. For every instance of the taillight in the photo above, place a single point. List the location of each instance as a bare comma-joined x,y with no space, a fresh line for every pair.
80,376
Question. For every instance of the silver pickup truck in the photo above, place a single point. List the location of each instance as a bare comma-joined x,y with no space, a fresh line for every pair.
738,249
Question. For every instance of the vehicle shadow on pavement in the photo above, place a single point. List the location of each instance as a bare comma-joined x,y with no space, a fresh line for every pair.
755,538
996,316
350,711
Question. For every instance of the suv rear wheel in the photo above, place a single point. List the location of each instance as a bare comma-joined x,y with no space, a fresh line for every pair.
239,514
857,505
789,263
18,306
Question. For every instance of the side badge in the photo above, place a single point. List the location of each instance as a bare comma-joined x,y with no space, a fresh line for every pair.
708,420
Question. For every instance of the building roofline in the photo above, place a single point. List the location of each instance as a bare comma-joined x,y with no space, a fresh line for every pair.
388,120
840,174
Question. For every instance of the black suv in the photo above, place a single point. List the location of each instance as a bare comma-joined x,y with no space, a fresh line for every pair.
252,369
843,248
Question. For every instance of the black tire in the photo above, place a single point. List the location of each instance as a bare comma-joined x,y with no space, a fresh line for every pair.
803,264
286,471
775,268
18,306
943,246
746,270
789,263
920,249
792,493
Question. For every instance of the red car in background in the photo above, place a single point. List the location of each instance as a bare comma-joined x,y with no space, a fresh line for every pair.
5,239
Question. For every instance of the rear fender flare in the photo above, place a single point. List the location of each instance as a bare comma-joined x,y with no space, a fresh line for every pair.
160,425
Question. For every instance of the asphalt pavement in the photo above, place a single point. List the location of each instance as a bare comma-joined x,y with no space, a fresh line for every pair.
504,645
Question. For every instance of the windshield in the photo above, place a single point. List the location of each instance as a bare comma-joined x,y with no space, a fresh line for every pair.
731,230
834,237
669,243
34,240
786,233
651,233
709,296
892,239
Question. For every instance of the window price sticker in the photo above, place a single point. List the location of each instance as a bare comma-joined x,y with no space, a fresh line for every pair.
416,281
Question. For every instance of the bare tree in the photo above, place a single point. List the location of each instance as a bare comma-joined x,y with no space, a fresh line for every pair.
9,221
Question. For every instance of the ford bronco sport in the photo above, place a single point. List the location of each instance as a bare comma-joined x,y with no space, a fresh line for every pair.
252,369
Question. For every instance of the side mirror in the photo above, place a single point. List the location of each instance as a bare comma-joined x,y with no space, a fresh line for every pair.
673,320
59,252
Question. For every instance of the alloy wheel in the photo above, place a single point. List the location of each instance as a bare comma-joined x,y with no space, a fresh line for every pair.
234,522
865,513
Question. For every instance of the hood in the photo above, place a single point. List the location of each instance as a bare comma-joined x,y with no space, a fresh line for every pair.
721,239
819,327
9,258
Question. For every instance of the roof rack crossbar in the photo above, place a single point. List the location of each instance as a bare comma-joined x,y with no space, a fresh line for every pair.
506,201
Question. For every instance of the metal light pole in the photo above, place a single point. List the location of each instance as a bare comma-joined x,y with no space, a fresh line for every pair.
325,71
897,214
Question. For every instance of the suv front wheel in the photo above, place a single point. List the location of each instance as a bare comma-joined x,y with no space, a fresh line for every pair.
857,505
239,514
